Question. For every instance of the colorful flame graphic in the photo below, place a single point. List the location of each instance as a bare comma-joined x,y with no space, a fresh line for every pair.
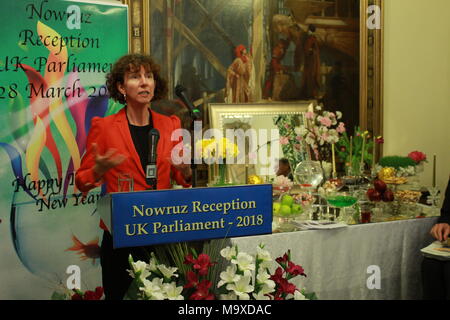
33,138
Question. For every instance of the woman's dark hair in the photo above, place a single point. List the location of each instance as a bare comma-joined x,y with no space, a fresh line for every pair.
133,62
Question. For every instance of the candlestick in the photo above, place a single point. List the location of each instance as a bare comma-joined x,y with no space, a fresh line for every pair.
361,166
351,150
434,171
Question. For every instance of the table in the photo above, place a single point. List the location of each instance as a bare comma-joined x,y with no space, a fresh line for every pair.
336,261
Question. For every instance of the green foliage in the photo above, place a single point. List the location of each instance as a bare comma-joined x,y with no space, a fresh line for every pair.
59,296
396,162
286,127
343,149
309,295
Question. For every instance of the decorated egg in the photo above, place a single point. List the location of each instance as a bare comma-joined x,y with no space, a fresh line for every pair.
254,179
386,173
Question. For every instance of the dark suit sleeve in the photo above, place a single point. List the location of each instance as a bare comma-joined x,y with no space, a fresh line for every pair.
445,210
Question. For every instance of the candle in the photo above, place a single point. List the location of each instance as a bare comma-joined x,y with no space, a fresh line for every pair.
434,171
374,153
361,166
351,150
334,161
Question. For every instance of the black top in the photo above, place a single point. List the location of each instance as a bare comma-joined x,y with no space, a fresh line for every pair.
140,141
445,211
139,135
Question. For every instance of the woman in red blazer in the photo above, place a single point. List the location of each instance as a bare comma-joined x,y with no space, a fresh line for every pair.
118,144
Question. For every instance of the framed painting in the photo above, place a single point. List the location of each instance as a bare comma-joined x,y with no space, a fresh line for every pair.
262,51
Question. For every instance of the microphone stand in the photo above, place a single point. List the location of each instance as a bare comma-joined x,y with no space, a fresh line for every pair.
193,164
196,117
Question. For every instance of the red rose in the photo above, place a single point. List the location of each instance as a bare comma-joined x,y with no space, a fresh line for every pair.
417,156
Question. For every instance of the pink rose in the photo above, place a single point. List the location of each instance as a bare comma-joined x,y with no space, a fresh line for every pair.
284,141
417,156
341,128
326,122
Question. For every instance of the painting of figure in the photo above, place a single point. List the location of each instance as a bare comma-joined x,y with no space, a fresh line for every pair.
242,51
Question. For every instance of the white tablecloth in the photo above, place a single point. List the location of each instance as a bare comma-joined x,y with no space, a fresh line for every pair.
336,261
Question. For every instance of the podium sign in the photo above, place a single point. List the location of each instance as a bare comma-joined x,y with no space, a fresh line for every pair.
166,216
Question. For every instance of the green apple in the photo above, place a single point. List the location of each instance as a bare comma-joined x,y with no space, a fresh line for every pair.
297,209
287,200
285,210
276,207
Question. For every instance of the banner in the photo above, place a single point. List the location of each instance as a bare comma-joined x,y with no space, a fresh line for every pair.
168,216
54,58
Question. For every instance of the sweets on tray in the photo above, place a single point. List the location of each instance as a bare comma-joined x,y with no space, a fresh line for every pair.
408,196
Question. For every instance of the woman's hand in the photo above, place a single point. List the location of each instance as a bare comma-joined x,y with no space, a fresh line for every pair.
184,168
440,231
106,161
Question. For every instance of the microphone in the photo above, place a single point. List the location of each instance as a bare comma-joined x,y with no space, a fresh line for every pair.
180,92
151,170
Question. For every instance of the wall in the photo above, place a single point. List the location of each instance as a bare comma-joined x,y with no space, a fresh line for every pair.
417,82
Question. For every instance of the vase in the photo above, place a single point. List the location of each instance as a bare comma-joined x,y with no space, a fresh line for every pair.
221,180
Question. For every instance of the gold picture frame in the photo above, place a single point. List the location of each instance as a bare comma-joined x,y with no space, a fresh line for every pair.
260,114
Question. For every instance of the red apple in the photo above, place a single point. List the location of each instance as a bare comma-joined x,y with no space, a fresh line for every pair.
388,196
380,185
373,195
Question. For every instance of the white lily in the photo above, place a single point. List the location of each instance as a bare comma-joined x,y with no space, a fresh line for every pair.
262,276
152,290
153,265
168,272
263,256
260,296
244,262
141,268
299,296
228,276
172,291
241,287
228,253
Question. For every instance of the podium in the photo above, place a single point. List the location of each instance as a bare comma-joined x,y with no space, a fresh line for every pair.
152,217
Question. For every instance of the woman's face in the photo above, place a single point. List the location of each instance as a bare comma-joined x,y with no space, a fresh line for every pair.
138,86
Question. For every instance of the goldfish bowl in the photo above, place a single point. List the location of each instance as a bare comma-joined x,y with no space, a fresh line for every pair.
50,233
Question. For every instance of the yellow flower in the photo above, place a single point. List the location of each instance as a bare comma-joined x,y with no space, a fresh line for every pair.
216,149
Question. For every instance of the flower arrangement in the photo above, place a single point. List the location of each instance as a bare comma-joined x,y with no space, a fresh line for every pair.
217,151
358,151
290,141
154,281
322,128
246,277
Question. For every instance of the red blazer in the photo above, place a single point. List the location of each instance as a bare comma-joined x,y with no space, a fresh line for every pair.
113,132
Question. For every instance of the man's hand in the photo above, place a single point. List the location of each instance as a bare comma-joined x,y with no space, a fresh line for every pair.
440,231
